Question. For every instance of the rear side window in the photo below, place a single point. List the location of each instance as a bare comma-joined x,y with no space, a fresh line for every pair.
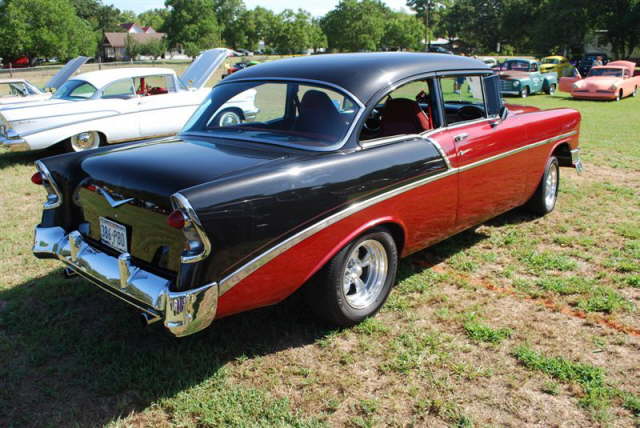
463,98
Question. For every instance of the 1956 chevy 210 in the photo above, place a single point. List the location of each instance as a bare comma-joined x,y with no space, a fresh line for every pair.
354,161
118,105
613,81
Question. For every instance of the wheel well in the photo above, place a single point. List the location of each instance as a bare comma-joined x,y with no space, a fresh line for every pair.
397,233
563,153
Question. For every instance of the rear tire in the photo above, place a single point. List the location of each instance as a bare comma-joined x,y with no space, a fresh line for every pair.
357,280
544,199
84,141
552,89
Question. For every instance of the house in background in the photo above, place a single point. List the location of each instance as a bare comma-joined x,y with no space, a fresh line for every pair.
114,44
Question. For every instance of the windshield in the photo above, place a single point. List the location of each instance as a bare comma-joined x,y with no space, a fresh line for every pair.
551,61
517,65
75,90
612,72
294,114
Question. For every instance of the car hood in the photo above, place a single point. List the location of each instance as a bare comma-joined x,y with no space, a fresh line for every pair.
547,67
155,170
599,82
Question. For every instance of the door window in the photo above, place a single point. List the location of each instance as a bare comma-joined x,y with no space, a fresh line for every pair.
406,110
122,88
463,98
154,85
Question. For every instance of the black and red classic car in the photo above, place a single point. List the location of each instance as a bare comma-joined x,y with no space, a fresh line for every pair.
353,161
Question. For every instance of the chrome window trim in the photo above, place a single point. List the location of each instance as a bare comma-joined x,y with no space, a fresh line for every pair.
51,186
179,201
228,282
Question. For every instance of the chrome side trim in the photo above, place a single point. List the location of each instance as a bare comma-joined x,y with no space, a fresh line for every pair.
179,201
514,151
232,279
54,197
228,282
184,312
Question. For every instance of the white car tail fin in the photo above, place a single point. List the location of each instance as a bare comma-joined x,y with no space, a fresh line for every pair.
65,72
201,69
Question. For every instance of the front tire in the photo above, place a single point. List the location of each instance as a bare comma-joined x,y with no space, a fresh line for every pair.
357,280
524,92
84,141
544,199
635,92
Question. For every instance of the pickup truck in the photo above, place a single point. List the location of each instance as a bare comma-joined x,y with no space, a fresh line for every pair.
522,77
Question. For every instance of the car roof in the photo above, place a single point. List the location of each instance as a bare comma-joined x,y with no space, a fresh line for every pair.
101,78
361,74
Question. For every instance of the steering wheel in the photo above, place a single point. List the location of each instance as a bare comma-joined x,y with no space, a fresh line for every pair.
469,112
373,122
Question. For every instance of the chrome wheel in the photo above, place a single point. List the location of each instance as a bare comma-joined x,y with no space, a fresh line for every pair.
552,89
365,273
229,118
551,187
85,141
524,92
635,92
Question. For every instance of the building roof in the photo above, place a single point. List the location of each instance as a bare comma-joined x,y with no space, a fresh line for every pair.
101,78
127,26
362,74
119,40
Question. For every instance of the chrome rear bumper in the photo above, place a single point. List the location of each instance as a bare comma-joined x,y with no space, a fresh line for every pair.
576,161
182,313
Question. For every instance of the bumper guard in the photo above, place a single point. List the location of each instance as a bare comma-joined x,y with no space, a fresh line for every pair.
183,313
576,161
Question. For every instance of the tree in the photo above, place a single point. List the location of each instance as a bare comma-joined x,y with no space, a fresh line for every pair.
403,31
229,14
54,31
153,18
258,24
621,19
429,12
192,25
317,38
355,25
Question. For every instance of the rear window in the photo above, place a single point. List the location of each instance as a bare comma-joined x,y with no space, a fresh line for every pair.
291,114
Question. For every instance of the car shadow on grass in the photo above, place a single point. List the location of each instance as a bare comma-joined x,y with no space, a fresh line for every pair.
8,158
74,355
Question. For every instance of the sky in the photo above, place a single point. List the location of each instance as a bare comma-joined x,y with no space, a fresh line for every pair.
316,8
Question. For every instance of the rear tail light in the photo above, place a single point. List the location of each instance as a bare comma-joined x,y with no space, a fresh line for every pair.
43,177
197,244
176,219
37,178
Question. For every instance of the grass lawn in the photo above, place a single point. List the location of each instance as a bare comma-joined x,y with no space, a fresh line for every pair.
523,321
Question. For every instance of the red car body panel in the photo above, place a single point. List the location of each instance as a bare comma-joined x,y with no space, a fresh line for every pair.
432,212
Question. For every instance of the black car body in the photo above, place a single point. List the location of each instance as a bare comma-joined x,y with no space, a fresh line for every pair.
585,63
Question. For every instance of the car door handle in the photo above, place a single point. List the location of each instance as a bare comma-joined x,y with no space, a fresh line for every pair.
460,137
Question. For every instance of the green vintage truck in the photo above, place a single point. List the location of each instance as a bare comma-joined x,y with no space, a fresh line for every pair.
522,77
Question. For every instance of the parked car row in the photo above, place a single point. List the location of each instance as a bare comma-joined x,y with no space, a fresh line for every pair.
336,177
113,106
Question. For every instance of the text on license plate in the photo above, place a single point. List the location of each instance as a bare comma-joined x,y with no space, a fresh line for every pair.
113,234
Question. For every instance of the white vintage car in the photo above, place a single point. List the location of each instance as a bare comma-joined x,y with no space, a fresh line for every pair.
118,105
15,90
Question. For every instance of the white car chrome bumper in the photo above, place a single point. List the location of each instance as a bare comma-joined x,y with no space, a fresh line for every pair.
183,313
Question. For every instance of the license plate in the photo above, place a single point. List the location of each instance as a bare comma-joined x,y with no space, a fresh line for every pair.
113,234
